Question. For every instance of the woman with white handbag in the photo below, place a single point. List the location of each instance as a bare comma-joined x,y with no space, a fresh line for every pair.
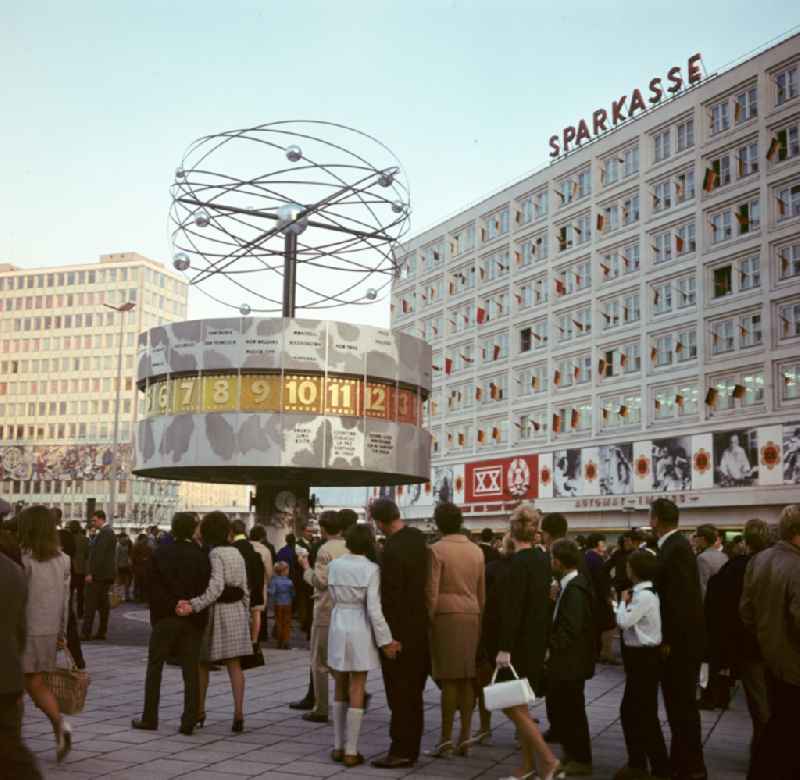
524,626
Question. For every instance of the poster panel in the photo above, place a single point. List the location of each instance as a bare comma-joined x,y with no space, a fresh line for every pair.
642,466
672,464
590,466
791,453
546,475
616,469
502,479
736,457
567,473
702,461
770,470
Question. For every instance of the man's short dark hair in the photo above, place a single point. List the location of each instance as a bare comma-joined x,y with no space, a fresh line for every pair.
258,533
238,527
184,525
594,539
567,553
487,535
384,511
448,518
756,535
708,533
215,529
643,564
347,519
57,514
555,525
635,535
291,540
99,513
789,522
329,521
665,512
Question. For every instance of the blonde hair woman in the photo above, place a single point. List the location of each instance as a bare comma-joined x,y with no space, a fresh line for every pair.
524,627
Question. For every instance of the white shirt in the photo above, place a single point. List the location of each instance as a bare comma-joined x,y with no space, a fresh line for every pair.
640,620
565,580
665,537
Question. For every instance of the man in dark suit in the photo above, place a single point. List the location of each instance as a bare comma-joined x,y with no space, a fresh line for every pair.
101,572
178,572
684,640
15,759
404,568
571,661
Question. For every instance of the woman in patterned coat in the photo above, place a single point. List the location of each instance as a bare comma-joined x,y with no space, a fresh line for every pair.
227,636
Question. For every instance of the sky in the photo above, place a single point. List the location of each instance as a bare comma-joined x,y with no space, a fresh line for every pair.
99,100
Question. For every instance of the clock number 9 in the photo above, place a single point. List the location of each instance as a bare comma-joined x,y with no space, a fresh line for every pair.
260,390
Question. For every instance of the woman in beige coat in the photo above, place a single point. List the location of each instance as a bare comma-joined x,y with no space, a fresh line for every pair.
455,599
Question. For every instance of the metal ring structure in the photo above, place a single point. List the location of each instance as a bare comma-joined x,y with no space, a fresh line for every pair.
238,193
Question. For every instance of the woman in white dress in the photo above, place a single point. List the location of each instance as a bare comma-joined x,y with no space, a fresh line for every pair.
357,629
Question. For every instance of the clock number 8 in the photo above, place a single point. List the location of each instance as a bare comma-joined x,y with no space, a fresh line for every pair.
221,391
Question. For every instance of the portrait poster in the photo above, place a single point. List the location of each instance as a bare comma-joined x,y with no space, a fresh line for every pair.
791,453
642,466
546,475
736,457
590,467
567,475
672,464
616,469
443,485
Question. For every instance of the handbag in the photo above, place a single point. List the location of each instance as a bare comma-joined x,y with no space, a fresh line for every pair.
69,685
116,596
512,693
254,660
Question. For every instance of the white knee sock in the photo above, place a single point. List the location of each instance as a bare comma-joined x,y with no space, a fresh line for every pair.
339,724
354,718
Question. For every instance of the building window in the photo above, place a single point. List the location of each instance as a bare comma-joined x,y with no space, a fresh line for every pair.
789,318
720,117
662,195
685,239
722,337
785,144
661,145
530,425
750,333
686,345
610,172
662,298
684,186
620,411
788,202
746,387
786,84
662,247
790,376
789,261
747,160
631,161
722,170
685,135
723,281
463,241
750,273
745,105
687,291
630,210
721,227
671,401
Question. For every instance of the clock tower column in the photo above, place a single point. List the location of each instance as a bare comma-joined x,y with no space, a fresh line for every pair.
282,506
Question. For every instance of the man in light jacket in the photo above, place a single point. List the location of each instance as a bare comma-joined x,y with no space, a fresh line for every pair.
770,608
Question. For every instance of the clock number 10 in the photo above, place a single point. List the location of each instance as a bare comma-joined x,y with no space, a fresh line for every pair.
302,392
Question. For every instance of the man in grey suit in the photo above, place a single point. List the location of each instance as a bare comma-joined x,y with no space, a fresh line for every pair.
710,558
101,568
15,758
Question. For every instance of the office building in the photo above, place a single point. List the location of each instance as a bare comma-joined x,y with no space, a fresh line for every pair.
625,322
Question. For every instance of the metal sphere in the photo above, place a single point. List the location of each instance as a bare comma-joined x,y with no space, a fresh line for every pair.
201,218
386,179
181,261
244,310
287,214
294,153
180,173
372,294
398,207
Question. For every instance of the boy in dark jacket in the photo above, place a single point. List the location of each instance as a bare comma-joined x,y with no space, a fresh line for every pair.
571,660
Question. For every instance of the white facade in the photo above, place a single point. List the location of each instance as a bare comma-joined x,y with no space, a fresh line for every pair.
626,310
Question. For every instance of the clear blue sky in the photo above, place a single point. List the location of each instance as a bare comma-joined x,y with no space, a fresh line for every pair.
100,99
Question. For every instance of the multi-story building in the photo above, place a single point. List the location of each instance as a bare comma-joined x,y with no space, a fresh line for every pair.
625,322
59,346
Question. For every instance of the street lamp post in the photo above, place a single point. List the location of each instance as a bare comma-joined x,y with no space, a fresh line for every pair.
121,310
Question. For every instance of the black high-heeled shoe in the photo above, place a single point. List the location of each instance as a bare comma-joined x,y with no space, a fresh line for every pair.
238,725
201,721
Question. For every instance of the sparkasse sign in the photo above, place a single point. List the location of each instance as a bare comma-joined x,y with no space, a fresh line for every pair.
623,108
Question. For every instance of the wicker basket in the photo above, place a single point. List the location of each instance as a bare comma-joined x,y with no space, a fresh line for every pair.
116,596
69,685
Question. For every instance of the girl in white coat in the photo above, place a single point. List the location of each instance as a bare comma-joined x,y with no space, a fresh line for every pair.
357,629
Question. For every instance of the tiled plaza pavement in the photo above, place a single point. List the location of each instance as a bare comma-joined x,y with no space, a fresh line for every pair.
277,744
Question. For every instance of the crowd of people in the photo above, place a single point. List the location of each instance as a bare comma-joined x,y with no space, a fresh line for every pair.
533,604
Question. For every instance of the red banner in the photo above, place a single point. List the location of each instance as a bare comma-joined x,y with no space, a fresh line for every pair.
502,479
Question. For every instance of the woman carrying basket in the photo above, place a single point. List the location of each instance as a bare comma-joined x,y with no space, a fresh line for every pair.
47,571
